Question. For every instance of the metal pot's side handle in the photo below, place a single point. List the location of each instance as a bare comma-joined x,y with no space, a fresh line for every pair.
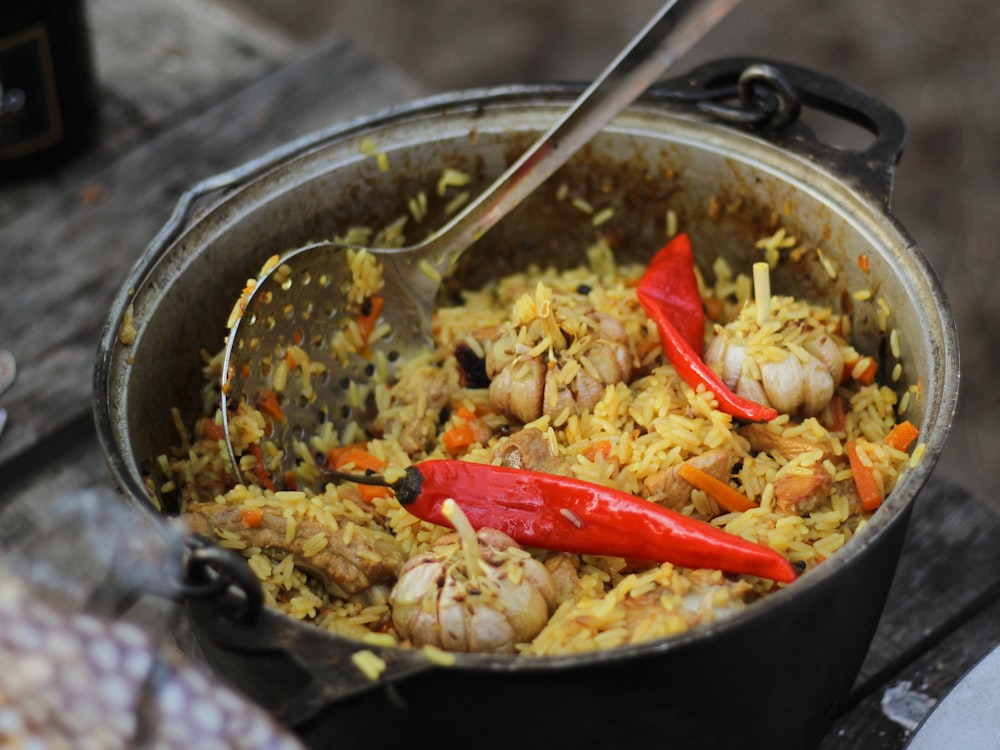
769,95
321,668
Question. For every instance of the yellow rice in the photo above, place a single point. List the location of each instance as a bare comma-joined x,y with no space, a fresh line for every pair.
654,422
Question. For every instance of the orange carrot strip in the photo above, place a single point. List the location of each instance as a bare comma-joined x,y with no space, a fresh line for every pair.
212,430
464,413
902,435
867,376
864,478
267,402
458,437
366,323
252,517
730,499
601,446
370,492
355,455
714,308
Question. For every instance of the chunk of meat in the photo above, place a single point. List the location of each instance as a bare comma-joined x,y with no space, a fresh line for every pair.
711,596
764,440
518,389
530,449
802,493
345,568
565,572
667,488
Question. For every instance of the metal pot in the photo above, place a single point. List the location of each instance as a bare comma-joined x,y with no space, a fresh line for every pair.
724,149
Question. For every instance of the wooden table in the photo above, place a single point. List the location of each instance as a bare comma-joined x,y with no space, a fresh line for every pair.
214,102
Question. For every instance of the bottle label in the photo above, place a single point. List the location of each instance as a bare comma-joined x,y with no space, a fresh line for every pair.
29,107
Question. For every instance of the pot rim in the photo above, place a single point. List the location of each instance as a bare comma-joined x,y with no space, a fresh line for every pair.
940,402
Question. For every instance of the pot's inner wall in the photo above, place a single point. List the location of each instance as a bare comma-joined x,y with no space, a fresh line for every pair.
640,171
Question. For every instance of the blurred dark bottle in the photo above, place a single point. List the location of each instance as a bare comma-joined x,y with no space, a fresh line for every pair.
49,108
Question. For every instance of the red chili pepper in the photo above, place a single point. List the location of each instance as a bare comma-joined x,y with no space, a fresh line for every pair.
569,515
668,292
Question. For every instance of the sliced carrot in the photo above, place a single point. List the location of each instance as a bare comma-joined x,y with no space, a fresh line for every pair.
902,435
864,478
268,403
252,517
458,437
366,321
867,376
464,413
355,455
714,308
212,430
863,262
601,446
729,498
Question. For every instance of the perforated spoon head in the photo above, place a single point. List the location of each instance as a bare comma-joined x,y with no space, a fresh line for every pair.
311,337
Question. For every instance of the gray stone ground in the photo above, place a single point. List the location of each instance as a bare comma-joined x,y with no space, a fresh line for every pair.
937,63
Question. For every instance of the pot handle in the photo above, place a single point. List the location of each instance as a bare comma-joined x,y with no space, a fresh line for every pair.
768,97
336,669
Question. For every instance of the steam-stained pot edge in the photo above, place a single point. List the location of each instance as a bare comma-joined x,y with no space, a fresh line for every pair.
279,200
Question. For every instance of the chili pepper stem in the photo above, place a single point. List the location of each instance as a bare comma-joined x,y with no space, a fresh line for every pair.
406,487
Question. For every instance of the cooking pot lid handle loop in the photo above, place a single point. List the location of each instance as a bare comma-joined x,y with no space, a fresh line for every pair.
768,98
211,572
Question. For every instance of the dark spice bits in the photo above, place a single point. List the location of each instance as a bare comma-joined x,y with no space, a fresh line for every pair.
472,367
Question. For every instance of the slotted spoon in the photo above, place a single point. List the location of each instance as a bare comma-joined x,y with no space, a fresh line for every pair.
302,299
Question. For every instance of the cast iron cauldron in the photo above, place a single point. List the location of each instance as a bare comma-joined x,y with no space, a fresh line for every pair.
725,150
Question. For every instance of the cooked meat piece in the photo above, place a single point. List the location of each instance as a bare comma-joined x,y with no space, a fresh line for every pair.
709,598
517,389
668,489
530,449
848,489
565,571
371,556
801,493
764,440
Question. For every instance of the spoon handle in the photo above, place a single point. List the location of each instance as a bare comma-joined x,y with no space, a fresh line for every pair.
673,31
